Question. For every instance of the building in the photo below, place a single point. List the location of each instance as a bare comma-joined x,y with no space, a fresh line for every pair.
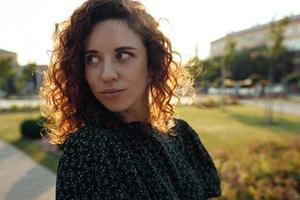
259,35
4,54
8,54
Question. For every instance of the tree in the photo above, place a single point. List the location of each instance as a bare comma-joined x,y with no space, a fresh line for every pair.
196,69
212,68
26,82
276,50
228,55
277,38
249,61
7,76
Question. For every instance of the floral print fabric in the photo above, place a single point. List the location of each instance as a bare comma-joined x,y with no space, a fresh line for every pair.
134,161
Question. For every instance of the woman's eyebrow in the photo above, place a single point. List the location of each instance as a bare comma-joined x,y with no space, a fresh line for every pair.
125,48
90,51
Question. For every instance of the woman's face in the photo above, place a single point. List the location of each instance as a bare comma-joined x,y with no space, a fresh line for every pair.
116,68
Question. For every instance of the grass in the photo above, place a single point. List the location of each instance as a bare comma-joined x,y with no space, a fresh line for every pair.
232,128
10,133
237,126
255,160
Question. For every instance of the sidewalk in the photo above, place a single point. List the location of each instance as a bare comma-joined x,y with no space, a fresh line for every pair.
21,178
277,105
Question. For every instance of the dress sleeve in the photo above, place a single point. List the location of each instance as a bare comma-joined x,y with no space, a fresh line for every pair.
200,160
86,170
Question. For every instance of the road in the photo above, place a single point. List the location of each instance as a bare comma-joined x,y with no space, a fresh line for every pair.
8,103
278,105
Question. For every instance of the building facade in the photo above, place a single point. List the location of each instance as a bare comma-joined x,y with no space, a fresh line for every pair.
8,54
4,54
260,35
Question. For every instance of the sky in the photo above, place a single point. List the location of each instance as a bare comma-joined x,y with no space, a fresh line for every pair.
26,26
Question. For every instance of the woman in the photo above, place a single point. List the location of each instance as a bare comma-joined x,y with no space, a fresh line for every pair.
107,97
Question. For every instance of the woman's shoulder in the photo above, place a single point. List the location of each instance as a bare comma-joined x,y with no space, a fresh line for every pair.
199,158
188,135
181,125
90,145
90,136
180,122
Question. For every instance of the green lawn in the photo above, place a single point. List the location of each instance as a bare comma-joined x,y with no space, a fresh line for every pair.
237,126
234,127
255,160
227,134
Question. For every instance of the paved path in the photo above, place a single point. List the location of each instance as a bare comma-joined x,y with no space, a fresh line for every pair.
278,105
8,103
21,178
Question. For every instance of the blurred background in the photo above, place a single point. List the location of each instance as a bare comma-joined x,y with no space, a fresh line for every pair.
243,55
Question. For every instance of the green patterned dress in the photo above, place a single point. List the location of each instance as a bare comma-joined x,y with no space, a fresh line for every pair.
133,161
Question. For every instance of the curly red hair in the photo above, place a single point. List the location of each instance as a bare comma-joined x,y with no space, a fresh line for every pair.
68,103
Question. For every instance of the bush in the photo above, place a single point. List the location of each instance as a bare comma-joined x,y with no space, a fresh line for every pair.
292,78
212,102
32,128
15,108
266,171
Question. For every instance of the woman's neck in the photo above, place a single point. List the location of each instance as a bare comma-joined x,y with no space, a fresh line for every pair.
136,113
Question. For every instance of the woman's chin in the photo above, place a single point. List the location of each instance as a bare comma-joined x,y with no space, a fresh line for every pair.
115,109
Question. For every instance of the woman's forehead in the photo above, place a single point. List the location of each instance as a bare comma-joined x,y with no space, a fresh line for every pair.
112,33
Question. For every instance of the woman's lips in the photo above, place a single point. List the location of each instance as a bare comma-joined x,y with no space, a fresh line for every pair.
111,94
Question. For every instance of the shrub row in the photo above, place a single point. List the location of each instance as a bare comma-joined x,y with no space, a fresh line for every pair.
260,171
211,102
32,128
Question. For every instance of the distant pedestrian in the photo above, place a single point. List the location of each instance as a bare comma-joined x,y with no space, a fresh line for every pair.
107,97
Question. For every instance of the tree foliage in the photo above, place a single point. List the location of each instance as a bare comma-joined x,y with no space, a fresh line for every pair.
27,77
212,69
197,70
229,51
242,64
277,38
11,82
7,75
246,62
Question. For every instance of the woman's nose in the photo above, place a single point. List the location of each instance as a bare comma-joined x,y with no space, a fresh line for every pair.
109,72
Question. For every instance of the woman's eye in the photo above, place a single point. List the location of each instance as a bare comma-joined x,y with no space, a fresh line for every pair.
123,55
91,59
